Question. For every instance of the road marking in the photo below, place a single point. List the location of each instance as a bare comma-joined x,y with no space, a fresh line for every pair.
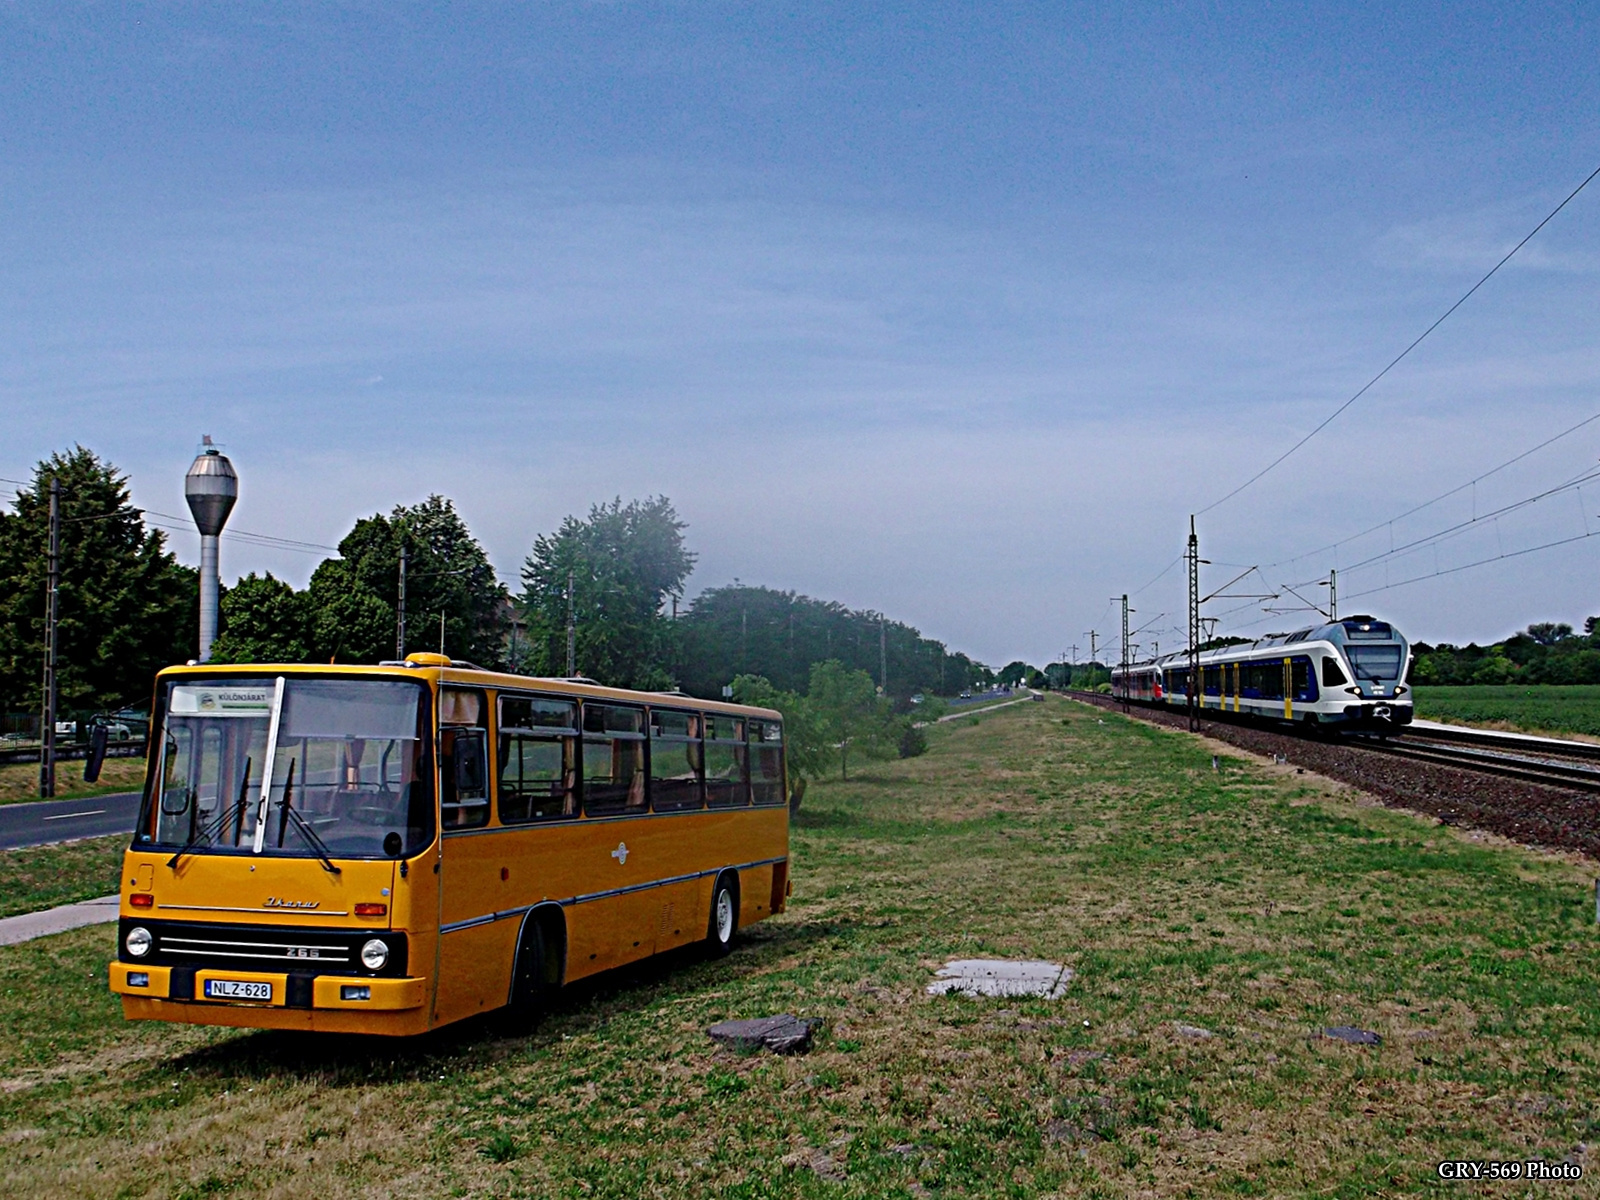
93,812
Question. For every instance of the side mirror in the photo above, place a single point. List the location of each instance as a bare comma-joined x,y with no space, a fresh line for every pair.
467,754
97,753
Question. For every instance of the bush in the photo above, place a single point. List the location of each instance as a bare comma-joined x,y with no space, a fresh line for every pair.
913,742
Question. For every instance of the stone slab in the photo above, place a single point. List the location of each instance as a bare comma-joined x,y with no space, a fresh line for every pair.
781,1034
1349,1033
1001,977
28,926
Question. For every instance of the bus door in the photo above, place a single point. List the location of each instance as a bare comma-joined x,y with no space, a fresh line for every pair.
475,950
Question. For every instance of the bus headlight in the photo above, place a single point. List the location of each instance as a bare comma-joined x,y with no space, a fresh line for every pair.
373,955
137,943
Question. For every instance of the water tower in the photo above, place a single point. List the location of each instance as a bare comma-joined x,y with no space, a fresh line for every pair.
210,487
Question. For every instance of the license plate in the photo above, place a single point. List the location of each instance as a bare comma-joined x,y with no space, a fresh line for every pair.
237,989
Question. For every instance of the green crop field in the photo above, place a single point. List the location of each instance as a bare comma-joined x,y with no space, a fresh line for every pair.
1542,708
1217,922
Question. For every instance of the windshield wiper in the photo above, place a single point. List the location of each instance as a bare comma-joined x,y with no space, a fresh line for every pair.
304,826
217,821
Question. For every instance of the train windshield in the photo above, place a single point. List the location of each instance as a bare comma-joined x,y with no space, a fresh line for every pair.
347,776
1380,664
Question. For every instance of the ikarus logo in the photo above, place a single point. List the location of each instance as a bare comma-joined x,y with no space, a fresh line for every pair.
275,902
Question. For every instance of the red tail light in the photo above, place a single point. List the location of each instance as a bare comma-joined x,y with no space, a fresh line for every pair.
372,910
142,900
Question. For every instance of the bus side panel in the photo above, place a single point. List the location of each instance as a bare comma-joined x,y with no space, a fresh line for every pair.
683,914
475,960
755,894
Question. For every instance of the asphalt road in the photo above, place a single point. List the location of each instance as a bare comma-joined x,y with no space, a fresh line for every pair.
65,820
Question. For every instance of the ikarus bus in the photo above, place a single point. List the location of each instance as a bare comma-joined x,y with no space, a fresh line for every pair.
388,849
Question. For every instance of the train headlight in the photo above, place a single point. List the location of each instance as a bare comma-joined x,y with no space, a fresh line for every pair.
138,941
374,954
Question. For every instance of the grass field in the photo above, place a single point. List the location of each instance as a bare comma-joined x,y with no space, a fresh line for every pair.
1547,708
20,781
1216,921
45,876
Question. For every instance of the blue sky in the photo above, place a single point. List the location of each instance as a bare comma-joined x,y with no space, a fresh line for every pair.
952,311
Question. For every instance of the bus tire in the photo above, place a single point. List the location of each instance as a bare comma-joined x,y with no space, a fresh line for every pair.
535,971
724,920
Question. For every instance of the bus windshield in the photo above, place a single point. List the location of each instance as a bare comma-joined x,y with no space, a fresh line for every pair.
348,775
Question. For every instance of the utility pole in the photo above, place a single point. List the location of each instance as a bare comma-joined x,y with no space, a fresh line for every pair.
1193,555
400,611
441,633
47,740
1125,651
883,655
1333,595
572,631
1094,654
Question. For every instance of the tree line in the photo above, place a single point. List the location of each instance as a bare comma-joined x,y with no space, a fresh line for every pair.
1545,652
614,577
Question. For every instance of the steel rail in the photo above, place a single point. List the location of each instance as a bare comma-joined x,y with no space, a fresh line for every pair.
1506,766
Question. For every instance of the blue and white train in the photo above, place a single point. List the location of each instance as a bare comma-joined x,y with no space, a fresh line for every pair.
1350,675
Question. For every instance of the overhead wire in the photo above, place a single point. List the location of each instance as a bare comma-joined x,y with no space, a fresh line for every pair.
1395,361
1477,479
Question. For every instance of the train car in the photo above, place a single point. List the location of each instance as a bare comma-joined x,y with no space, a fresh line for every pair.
1349,675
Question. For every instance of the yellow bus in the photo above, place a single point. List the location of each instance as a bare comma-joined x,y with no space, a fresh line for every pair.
388,849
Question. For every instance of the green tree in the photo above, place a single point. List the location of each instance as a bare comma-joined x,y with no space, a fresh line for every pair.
354,599
263,620
744,630
126,607
805,748
1014,673
851,717
624,562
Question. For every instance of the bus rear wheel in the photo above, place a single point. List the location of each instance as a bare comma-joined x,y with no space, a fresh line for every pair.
724,922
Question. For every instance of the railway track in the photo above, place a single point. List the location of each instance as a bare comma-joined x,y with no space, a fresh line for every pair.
1546,761
1542,793
1489,762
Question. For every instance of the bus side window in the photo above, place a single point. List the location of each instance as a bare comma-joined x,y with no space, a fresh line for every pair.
727,785
674,760
538,759
613,760
766,762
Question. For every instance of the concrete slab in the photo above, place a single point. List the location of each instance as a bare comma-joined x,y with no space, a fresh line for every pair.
28,926
1001,977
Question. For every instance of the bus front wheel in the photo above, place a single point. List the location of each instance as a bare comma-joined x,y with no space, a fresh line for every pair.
724,921
529,989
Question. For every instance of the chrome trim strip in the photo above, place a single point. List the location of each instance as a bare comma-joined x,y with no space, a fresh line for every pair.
280,958
253,945
262,912
587,897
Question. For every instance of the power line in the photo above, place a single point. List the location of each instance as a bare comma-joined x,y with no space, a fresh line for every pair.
1442,496
1396,360
1573,484
1480,562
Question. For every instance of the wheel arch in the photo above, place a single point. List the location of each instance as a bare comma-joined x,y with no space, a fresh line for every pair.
551,919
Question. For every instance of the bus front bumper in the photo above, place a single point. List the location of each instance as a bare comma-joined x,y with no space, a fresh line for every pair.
257,990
